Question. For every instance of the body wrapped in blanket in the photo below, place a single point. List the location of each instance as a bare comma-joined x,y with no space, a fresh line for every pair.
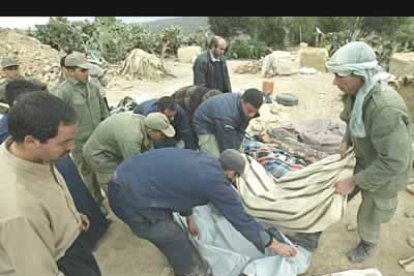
227,253
316,207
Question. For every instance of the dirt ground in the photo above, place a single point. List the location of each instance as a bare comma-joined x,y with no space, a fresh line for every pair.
122,254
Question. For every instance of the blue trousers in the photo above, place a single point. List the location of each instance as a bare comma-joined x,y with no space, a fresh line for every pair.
84,202
158,227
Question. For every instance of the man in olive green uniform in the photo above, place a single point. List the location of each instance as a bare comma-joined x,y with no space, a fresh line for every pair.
96,76
379,130
84,96
10,69
121,136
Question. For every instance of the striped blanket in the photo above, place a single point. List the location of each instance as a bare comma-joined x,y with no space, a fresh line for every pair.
276,161
300,201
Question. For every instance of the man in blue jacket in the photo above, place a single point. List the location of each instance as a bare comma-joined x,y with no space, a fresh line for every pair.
177,116
144,198
220,121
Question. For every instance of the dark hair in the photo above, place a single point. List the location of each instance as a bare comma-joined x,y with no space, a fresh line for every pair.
39,114
62,61
166,102
254,97
16,88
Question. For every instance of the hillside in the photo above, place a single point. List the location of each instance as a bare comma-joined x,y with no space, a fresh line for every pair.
188,24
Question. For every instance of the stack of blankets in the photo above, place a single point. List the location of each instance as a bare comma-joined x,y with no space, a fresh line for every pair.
295,146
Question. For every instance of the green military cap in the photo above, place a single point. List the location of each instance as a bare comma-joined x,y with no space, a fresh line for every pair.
159,121
77,60
8,61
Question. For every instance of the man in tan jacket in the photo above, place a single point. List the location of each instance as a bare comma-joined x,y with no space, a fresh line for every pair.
39,223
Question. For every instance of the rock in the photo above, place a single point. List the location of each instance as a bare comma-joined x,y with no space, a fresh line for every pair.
280,63
351,227
402,64
251,67
313,58
274,109
187,54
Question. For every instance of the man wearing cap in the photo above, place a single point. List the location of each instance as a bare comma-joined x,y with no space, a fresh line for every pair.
144,198
121,136
379,130
10,70
96,76
85,97
178,118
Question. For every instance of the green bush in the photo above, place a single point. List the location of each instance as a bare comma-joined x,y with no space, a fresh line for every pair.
249,49
199,38
107,37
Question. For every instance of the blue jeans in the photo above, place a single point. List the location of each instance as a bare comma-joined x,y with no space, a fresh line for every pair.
157,226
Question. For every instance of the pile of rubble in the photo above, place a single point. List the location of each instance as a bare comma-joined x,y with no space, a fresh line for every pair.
35,59
251,67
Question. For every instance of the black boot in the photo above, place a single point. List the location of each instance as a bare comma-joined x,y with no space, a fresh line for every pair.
361,252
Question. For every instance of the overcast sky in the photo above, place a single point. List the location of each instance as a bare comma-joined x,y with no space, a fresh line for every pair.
24,22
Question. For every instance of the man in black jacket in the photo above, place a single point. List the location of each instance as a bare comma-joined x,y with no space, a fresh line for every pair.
210,68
